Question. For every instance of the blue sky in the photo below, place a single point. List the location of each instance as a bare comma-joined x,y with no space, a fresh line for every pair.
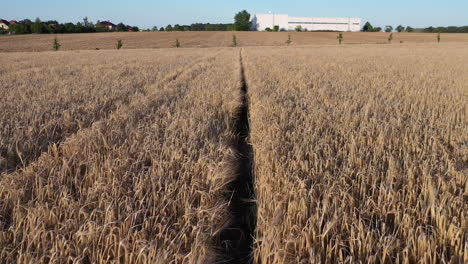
148,13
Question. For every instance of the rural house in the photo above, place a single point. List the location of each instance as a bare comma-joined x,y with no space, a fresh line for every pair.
13,22
4,24
108,25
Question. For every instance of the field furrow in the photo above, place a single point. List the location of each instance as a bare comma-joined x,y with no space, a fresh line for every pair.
237,238
360,154
146,185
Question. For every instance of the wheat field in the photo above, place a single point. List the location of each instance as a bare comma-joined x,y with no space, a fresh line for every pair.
210,39
360,158
300,154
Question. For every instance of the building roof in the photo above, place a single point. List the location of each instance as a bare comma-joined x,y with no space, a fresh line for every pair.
107,23
14,22
4,22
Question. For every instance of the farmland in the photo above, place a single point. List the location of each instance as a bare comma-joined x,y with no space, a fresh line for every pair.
312,153
360,158
208,39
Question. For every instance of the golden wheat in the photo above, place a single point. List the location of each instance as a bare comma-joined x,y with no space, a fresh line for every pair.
135,156
209,39
360,154
144,185
48,96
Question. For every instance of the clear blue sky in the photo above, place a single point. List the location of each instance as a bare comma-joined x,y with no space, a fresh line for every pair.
148,13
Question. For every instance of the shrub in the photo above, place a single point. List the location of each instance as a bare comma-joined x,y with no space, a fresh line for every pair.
177,43
276,28
340,38
268,29
438,37
56,45
234,41
119,44
390,38
298,29
288,41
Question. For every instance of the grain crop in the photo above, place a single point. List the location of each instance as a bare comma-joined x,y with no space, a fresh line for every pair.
309,153
209,39
360,154
48,96
143,185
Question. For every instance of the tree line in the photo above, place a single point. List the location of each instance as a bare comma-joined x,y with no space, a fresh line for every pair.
241,23
27,26
197,27
452,29
369,28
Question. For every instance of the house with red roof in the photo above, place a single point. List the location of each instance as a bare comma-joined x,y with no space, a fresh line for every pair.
109,25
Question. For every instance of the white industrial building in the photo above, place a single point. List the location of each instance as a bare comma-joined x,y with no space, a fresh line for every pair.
262,21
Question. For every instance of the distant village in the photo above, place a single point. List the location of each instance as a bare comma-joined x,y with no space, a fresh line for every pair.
27,26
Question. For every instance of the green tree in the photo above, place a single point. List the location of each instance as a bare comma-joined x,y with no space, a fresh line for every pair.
409,29
27,24
177,27
161,29
298,28
38,27
429,29
340,38
276,28
377,29
100,28
388,28
79,28
85,22
88,26
56,45
368,27
121,27
19,29
168,28
70,28
231,27
400,28
242,21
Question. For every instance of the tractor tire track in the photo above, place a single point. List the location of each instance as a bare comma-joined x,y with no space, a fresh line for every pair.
237,239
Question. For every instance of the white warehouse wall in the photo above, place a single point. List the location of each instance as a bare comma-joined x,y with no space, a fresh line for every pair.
262,21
